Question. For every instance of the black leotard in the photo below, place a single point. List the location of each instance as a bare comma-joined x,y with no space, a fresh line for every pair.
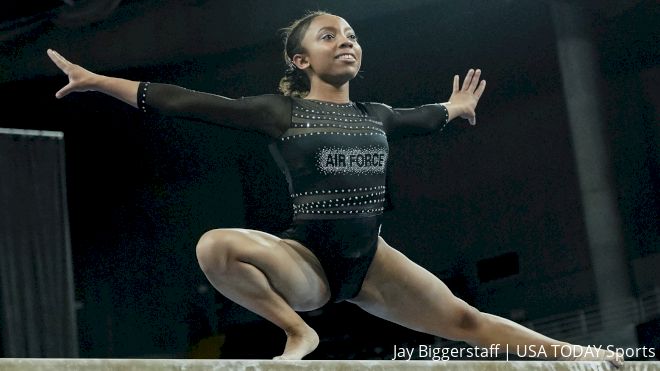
334,158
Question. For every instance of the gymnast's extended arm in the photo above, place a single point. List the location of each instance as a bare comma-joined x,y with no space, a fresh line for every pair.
425,119
267,114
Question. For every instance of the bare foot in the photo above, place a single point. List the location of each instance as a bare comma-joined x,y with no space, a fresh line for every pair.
590,353
299,343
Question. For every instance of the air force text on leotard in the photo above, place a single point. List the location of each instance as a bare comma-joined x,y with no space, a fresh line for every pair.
352,160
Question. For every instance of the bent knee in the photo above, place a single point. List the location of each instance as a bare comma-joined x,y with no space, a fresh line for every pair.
215,249
469,318
466,320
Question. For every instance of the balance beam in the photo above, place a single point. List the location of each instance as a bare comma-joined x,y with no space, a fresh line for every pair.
96,364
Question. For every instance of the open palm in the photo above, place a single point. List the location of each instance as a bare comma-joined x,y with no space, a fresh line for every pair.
467,96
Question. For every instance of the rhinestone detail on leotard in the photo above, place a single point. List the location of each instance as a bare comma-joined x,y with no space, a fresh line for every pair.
335,158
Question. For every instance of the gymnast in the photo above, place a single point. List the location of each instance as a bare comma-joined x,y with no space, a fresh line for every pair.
333,152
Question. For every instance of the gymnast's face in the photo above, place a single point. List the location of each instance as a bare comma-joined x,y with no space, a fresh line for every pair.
331,50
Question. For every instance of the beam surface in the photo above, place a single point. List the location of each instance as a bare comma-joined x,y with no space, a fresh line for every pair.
43,364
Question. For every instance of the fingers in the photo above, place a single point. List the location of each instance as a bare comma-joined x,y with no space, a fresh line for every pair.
58,55
469,94
66,67
64,91
474,81
60,93
471,82
58,59
468,80
472,117
480,89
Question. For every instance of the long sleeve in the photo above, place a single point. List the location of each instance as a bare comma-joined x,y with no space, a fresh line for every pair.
268,114
405,122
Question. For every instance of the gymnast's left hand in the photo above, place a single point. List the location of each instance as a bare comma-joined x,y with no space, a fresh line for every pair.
464,99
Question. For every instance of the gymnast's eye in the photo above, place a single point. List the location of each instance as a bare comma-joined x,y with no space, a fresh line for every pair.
353,37
328,36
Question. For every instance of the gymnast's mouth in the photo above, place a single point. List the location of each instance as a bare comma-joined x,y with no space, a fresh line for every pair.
346,56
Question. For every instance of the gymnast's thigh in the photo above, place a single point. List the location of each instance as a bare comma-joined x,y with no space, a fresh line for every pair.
401,291
291,268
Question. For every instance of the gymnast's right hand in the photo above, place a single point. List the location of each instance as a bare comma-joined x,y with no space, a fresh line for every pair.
79,78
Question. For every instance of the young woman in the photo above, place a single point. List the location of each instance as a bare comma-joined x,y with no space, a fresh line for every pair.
333,152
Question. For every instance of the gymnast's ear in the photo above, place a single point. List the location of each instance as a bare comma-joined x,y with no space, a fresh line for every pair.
301,61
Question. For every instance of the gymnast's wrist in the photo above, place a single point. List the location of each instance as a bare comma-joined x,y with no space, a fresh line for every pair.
453,110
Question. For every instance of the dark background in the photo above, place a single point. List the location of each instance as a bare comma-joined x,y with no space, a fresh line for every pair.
142,189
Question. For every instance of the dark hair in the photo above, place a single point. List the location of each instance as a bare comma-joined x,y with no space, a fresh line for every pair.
295,81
